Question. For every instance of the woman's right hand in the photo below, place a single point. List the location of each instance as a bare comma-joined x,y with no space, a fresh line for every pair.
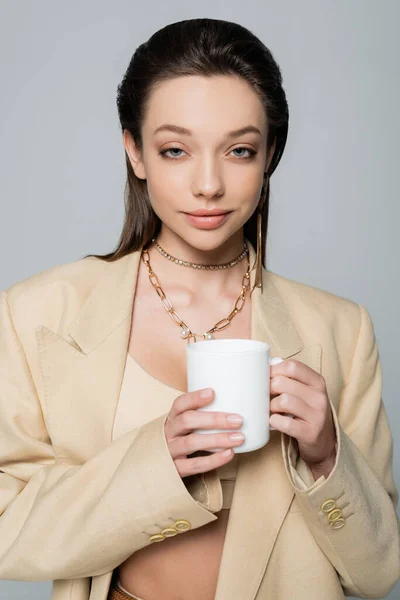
183,418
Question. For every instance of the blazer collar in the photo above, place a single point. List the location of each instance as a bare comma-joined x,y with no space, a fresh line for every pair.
111,301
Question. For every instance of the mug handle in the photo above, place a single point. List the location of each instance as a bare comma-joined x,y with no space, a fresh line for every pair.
275,361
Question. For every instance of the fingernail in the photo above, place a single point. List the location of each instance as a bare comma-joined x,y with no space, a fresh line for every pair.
206,393
234,418
227,452
236,436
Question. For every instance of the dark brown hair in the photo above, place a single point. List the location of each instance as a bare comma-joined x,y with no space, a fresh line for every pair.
204,47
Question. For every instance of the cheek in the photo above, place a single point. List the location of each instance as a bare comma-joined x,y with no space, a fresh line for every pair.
165,192
165,184
165,203
247,189
249,207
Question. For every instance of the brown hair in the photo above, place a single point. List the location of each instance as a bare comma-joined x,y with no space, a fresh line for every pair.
204,47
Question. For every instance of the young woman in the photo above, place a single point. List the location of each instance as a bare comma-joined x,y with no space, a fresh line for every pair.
99,462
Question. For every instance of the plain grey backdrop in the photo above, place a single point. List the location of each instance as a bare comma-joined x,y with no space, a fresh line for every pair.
335,213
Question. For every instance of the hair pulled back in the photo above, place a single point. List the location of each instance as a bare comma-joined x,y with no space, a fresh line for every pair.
206,47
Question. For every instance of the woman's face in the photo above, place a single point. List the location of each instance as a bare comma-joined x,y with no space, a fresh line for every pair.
208,166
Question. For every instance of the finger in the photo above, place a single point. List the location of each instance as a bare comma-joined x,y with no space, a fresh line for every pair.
202,464
182,446
190,400
287,403
280,384
299,371
293,427
200,419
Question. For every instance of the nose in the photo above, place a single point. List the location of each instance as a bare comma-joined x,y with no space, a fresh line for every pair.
208,180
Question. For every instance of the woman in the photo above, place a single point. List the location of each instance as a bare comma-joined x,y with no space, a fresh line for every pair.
98,456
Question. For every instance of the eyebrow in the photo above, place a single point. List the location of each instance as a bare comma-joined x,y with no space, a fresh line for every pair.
229,135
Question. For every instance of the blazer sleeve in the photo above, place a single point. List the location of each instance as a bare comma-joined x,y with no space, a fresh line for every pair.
352,512
60,521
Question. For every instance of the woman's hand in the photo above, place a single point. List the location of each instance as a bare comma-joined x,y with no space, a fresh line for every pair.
298,390
184,417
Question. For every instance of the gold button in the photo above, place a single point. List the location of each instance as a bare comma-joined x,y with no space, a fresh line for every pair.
338,524
157,537
334,515
182,525
328,505
169,532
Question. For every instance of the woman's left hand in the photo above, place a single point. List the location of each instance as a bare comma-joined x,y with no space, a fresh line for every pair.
300,391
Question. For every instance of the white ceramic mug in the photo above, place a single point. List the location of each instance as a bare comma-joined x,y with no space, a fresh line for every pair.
238,371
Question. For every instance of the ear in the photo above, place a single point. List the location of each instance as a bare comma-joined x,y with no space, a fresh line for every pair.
134,155
270,154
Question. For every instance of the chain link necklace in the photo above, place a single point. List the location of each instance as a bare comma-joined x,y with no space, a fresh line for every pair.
186,333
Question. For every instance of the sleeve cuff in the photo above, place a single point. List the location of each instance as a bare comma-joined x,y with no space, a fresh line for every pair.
300,474
206,489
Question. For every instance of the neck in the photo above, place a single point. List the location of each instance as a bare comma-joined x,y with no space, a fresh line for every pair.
201,282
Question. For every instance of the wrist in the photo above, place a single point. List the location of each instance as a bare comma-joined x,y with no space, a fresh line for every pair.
324,468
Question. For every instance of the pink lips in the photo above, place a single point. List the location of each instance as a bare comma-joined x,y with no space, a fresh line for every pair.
207,222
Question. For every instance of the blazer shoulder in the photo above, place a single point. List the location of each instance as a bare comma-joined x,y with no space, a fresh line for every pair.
82,272
316,302
61,287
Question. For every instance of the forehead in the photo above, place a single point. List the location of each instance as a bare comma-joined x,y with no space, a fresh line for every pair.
215,104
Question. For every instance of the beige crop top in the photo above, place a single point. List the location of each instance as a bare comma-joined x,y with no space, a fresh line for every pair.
144,398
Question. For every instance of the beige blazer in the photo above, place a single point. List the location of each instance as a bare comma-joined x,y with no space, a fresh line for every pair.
74,504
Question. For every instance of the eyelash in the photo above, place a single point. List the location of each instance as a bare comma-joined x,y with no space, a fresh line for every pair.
252,153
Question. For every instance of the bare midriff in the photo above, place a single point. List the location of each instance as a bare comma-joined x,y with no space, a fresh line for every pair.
184,566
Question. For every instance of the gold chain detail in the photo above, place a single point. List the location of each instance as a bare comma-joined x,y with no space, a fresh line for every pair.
186,263
186,333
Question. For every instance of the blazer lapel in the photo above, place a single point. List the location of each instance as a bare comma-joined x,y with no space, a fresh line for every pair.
83,373
263,492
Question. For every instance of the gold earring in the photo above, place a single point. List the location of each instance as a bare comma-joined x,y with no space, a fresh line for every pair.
258,263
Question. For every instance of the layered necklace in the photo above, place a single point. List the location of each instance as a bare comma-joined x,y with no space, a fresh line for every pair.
185,331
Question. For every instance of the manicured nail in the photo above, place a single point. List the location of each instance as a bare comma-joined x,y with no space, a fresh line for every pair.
207,393
234,418
227,452
236,436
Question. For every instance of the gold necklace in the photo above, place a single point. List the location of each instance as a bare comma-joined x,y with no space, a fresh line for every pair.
186,263
186,333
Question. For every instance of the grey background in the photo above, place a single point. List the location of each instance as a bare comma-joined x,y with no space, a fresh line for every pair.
334,205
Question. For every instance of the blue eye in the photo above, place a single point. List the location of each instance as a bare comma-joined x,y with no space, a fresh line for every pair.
164,152
252,152
174,156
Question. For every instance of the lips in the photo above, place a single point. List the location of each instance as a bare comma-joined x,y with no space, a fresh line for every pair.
215,212
207,221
